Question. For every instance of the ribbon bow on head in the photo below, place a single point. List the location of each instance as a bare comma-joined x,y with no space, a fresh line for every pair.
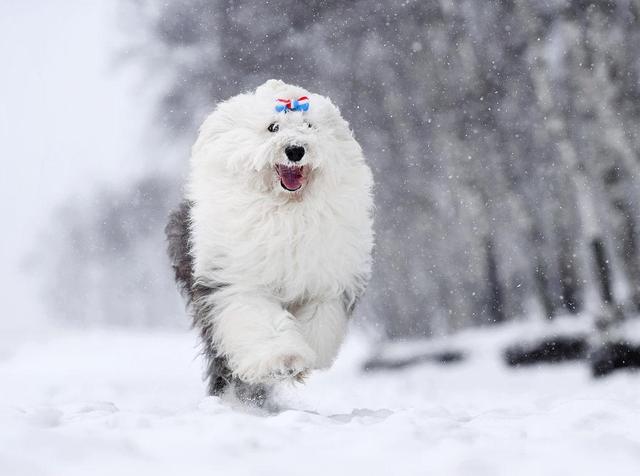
300,104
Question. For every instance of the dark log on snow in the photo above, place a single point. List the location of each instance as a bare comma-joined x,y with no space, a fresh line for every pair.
603,359
550,350
613,356
384,363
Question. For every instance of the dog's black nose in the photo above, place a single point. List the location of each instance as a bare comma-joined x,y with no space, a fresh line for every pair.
294,153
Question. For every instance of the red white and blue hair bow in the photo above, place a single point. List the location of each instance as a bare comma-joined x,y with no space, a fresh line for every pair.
300,104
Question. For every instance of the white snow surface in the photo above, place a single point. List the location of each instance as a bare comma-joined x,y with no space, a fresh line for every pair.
116,402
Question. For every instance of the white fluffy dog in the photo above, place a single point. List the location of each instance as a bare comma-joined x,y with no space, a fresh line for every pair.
272,245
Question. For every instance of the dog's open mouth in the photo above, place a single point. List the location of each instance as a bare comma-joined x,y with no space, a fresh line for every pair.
291,176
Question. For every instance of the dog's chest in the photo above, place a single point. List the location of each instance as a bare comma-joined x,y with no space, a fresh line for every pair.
298,252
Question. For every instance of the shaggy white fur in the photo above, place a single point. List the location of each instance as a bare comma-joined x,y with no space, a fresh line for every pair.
288,265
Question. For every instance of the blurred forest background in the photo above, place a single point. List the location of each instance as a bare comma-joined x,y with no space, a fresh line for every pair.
504,138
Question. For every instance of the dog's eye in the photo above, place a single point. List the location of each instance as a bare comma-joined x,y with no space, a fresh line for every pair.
273,127
309,125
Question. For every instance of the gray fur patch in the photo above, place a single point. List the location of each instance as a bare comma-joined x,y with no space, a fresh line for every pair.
178,235
179,248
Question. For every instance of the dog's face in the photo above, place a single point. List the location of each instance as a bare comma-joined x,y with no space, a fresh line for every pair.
280,139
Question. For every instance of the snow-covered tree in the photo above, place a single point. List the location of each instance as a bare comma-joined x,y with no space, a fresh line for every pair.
503,136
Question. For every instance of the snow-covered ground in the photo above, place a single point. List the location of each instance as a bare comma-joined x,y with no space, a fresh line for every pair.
123,402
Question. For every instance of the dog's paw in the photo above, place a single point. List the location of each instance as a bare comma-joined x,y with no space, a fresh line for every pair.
275,362
289,366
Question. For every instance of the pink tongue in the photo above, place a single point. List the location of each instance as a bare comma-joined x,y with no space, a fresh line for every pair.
291,177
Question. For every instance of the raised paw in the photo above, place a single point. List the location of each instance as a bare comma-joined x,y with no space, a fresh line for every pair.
289,366
272,363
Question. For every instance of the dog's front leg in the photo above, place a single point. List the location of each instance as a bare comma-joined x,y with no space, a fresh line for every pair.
323,324
261,341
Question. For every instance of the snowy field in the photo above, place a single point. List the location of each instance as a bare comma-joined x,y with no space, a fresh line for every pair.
116,403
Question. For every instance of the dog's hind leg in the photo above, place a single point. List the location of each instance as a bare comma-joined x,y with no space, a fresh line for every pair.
220,379
251,394
217,373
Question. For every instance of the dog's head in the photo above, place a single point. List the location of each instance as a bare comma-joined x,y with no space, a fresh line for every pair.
278,139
